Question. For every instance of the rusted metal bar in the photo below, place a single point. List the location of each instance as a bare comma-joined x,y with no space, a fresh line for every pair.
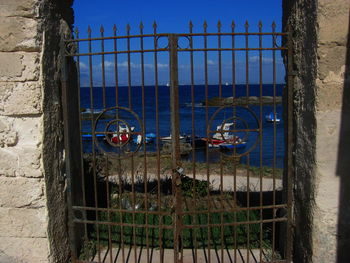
180,35
261,139
64,83
290,145
234,172
193,139
81,145
93,143
119,174
179,50
175,151
145,180
248,156
274,140
156,90
164,213
205,26
221,155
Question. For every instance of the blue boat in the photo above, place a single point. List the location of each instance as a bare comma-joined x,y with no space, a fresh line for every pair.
231,146
272,118
89,136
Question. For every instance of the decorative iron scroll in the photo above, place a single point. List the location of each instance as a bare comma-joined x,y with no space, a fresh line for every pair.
120,127
235,130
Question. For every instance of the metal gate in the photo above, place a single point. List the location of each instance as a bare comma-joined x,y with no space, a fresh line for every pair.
179,149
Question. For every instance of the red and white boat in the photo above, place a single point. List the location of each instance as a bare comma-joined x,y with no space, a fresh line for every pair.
123,135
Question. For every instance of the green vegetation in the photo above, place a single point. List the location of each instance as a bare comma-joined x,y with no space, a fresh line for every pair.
156,230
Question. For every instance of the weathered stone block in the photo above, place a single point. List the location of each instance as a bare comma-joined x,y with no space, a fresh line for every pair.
21,161
29,131
28,250
21,192
21,132
27,94
18,34
331,59
25,8
20,222
8,137
333,20
330,95
19,66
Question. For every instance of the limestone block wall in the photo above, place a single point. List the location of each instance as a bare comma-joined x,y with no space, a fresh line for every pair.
333,24
32,199
320,34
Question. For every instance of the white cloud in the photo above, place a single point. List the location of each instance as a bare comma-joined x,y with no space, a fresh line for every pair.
83,66
124,65
256,59
211,62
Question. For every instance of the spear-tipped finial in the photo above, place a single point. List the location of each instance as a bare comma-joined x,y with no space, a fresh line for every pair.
76,31
246,24
128,27
89,31
260,24
114,28
219,25
154,27
102,30
190,24
273,25
233,25
141,25
205,25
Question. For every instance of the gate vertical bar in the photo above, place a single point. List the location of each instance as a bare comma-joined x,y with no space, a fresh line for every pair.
175,140
64,86
290,87
72,145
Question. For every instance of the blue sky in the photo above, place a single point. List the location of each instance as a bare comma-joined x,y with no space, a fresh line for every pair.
173,17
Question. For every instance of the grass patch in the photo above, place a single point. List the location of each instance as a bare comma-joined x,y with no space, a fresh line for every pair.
142,228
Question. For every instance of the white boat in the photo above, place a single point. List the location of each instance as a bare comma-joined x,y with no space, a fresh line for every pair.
224,139
123,135
225,131
168,138
272,118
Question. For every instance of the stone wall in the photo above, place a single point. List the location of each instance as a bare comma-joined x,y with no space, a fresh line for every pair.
32,201
333,24
320,30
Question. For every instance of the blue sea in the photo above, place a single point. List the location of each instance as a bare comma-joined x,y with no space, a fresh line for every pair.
137,108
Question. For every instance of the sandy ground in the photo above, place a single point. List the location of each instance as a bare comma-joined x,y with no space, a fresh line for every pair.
243,183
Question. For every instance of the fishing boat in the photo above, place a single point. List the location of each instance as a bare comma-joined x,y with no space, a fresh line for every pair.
223,131
272,117
224,139
236,143
231,146
197,141
213,143
167,139
149,138
123,135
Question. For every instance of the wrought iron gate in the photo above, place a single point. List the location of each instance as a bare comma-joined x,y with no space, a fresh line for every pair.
218,189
